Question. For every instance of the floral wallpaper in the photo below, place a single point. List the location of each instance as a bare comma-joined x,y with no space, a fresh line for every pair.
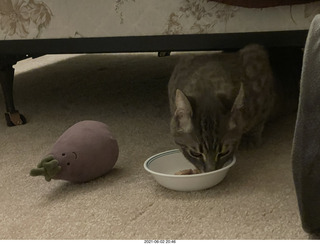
117,8
17,16
210,16
206,16
29,19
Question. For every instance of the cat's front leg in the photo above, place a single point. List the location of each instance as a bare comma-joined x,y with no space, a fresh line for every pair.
253,138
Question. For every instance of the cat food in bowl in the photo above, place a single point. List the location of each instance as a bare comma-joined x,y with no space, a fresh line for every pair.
173,171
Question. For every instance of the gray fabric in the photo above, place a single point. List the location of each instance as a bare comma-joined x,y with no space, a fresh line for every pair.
306,143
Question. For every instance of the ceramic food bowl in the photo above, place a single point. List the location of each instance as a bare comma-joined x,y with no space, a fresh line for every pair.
163,167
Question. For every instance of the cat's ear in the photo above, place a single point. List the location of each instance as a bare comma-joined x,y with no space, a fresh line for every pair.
183,113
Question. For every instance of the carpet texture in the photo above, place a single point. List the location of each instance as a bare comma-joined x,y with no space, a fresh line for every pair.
129,93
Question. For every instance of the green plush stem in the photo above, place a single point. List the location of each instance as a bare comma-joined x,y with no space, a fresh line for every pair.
48,167
37,172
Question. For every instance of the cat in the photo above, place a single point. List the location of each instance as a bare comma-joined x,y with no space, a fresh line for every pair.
216,100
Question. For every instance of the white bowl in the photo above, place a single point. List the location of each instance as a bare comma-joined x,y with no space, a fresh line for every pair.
163,167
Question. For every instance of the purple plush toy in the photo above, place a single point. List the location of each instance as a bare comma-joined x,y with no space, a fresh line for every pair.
85,151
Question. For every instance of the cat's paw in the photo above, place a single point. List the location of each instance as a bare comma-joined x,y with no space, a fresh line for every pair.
253,138
249,142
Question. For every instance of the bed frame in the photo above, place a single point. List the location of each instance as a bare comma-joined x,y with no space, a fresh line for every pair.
12,51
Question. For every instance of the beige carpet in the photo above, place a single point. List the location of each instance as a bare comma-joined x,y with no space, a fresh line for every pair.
128,92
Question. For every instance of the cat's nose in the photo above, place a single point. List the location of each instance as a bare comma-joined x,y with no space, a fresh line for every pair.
209,166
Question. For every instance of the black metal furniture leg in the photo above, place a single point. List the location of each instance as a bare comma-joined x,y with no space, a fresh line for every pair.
12,116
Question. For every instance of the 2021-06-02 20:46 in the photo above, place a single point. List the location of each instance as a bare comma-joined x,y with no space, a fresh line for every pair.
159,241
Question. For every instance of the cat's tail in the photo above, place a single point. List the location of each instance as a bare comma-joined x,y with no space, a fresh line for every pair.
258,82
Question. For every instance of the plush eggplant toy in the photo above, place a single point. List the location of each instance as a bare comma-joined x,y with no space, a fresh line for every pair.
85,151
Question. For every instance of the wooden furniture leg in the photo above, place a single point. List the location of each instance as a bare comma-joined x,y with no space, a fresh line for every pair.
12,115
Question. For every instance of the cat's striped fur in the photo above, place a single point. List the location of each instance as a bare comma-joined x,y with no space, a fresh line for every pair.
217,99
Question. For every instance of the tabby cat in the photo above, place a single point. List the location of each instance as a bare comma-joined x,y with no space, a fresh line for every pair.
218,99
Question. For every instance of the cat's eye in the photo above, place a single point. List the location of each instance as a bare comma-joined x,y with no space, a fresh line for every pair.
195,154
223,151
